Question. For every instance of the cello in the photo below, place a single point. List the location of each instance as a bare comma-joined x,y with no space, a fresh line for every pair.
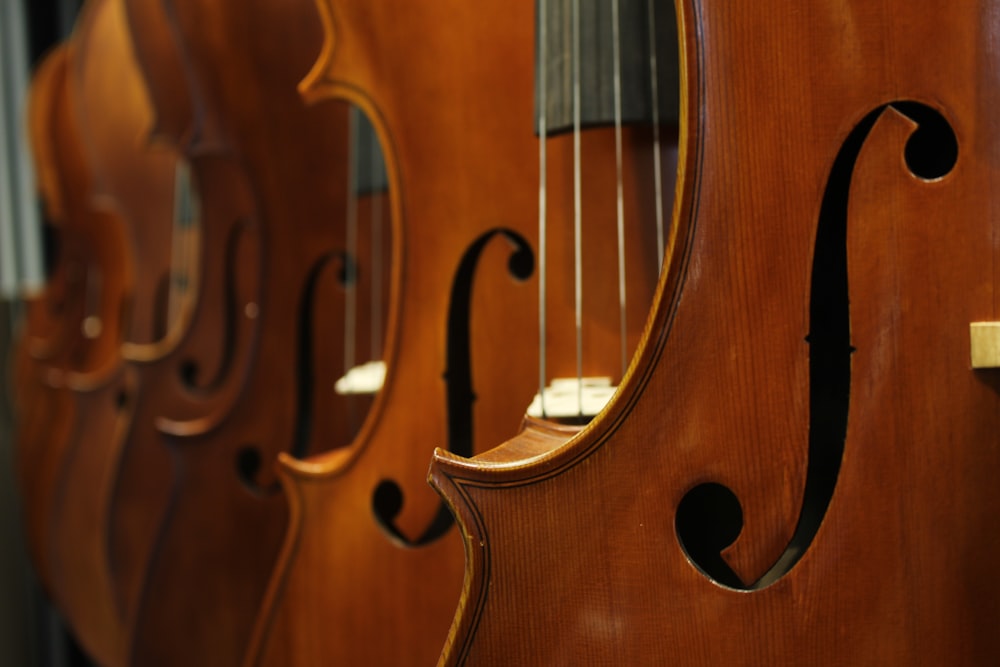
52,325
369,552
93,249
138,186
221,534
196,384
798,466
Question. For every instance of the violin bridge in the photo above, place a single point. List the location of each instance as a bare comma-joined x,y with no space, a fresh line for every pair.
367,378
573,397
984,340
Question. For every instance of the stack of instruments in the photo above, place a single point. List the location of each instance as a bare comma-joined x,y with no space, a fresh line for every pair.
690,308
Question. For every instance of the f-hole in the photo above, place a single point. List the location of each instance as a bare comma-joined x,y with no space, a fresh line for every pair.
190,371
161,310
709,517
388,497
248,459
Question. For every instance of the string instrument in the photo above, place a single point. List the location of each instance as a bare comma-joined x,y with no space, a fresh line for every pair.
145,182
196,384
137,186
51,333
92,252
798,468
370,553
227,516
49,325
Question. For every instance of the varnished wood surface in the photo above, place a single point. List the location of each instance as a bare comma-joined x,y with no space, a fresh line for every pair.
573,555
408,76
94,260
810,148
221,535
449,89
52,318
135,184
191,378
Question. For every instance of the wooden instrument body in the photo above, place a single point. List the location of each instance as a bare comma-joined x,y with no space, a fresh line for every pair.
227,516
133,183
192,376
53,318
573,555
134,177
93,264
390,61
448,87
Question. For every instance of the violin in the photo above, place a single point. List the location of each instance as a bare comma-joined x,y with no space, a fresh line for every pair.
225,504
369,552
797,467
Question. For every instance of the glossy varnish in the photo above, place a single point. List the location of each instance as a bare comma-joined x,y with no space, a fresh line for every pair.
371,567
809,356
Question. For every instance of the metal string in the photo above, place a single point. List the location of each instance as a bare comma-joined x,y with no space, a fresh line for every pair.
542,203
655,95
618,174
350,300
376,272
577,208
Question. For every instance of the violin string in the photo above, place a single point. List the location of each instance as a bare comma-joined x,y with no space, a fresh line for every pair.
655,99
376,272
577,208
542,203
350,300
616,51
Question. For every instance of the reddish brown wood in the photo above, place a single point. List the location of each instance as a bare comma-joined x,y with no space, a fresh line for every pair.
133,183
93,265
448,86
573,555
133,176
194,385
221,535
53,317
